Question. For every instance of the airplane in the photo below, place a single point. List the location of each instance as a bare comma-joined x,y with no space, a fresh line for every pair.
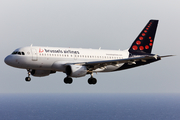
42,61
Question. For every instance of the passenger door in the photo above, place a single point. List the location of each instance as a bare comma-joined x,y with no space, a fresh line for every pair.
34,54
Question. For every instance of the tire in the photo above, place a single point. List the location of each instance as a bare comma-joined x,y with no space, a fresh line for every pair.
28,79
68,80
92,81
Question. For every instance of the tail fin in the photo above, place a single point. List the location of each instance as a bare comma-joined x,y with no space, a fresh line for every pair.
144,42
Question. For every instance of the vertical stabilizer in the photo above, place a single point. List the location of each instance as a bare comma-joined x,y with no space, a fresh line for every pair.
144,42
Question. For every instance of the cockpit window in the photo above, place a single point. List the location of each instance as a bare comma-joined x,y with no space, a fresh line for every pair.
14,52
18,52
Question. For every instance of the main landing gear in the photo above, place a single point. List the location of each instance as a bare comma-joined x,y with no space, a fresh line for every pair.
91,80
28,79
68,80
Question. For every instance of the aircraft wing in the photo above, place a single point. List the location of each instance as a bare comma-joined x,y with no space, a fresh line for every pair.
132,60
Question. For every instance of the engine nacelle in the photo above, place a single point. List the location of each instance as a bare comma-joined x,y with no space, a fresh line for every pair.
76,70
41,73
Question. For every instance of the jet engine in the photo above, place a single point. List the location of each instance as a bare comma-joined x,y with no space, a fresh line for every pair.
41,73
76,70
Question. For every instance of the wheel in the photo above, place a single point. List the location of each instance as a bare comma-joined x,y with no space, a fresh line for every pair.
92,81
68,80
28,79
89,80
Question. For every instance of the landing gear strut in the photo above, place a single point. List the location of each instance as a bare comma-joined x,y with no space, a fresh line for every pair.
68,80
28,79
92,80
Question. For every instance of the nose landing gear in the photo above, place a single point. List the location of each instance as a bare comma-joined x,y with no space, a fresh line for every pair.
28,79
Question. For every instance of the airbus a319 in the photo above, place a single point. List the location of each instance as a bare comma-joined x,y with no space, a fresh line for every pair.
42,61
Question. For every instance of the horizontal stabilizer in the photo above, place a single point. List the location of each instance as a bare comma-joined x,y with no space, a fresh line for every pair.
167,56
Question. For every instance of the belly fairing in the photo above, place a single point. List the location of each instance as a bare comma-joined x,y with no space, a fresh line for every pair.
108,68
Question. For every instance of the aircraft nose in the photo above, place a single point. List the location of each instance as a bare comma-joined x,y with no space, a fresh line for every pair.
8,60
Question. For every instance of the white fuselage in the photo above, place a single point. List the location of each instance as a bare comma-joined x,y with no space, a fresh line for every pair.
54,58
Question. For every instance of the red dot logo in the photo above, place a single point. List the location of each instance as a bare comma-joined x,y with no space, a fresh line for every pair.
150,44
141,48
147,28
143,34
149,37
141,38
146,47
41,50
138,42
145,31
134,47
151,40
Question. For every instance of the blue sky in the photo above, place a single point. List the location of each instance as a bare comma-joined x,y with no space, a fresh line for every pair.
109,24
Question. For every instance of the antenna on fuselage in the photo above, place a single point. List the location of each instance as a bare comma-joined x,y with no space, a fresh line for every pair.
31,45
99,48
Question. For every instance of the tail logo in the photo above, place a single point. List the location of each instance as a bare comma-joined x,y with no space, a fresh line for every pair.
141,38
144,41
